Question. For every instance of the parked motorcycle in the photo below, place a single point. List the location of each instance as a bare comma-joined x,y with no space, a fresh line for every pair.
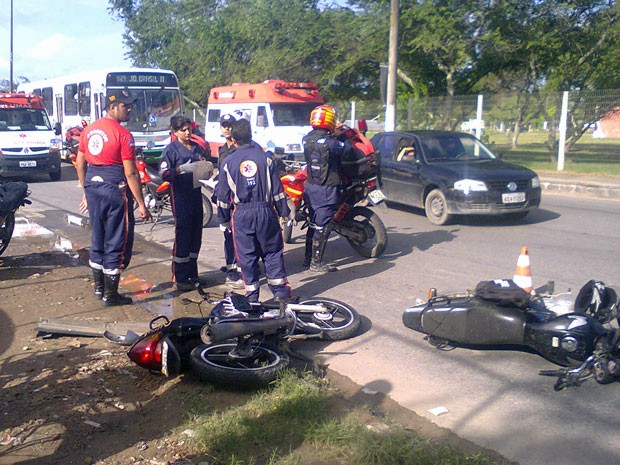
353,220
156,193
499,313
13,194
240,342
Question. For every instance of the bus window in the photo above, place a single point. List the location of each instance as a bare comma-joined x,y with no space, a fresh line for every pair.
71,91
84,98
47,94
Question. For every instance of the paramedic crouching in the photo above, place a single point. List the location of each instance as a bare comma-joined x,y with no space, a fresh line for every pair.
250,198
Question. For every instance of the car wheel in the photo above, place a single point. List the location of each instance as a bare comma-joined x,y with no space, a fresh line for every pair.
55,175
436,208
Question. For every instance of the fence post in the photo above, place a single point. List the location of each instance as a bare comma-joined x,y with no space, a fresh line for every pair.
479,117
353,113
562,129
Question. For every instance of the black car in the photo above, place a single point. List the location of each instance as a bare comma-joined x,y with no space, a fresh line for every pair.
452,173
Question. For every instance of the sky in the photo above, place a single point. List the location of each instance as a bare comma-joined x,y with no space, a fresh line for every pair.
56,37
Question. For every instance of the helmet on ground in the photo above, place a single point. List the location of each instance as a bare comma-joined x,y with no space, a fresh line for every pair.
597,300
323,117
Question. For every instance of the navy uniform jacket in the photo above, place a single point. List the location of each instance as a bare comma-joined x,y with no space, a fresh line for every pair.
248,175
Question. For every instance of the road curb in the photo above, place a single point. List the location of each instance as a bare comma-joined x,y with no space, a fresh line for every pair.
582,188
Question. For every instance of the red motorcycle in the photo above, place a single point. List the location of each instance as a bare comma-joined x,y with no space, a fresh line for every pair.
353,220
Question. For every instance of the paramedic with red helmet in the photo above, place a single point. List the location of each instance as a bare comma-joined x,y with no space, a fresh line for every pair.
323,153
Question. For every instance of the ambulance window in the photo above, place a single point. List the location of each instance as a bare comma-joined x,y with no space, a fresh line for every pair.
71,104
84,98
213,116
47,94
262,120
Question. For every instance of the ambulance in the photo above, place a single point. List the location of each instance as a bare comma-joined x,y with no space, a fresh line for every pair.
279,113
28,144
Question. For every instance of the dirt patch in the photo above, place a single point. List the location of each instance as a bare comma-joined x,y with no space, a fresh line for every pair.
79,400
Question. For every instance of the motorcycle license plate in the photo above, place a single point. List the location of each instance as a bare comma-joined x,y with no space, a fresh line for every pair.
27,164
516,197
376,196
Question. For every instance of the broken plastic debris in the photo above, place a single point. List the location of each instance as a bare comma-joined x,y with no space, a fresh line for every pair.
366,390
438,411
94,424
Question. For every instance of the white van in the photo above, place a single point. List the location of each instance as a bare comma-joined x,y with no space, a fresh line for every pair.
279,113
28,145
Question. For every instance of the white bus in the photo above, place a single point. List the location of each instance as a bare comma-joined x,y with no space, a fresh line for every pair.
71,99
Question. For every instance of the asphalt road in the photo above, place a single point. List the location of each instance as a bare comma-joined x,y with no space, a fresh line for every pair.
494,398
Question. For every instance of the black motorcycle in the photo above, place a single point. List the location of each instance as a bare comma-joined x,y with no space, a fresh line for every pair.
499,313
239,343
12,196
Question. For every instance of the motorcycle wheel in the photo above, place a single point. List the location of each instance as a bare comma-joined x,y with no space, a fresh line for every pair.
215,363
6,231
207,210
375,233
342,321
287,229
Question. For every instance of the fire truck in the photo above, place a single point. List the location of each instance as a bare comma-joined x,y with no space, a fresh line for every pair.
28,144
279,113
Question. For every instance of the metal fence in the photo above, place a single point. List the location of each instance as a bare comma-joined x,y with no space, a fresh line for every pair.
574,131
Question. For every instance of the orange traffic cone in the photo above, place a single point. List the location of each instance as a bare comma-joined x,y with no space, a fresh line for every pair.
523,272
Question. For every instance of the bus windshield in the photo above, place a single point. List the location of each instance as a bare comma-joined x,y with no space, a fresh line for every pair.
153,109
24,119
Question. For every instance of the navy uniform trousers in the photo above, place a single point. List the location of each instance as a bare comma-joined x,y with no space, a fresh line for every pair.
110,209
187,210
266,241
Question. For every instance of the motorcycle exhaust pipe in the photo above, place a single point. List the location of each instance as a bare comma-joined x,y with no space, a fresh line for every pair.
230,329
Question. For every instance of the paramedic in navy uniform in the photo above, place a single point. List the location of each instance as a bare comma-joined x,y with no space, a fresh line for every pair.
323,153
182,161
250,198
106,167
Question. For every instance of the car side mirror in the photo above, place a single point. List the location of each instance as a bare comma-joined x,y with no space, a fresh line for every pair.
57,129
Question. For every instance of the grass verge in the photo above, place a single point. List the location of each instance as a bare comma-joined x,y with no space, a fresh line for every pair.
301,420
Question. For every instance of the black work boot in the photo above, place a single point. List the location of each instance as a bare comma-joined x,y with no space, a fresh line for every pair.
99,283
111,297
319,241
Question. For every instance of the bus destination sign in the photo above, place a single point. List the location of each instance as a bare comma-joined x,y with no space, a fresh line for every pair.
141,79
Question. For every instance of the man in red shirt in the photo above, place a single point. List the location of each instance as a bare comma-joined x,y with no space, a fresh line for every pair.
106,167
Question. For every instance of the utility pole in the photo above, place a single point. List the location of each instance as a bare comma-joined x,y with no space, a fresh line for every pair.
390,100
11,53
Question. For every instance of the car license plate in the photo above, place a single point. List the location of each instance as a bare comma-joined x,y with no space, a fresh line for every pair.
27,164
376,196
516,197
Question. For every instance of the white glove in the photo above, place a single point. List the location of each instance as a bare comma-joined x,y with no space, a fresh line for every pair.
225,227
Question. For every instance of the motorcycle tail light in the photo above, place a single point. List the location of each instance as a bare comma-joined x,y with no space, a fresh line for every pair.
163,186
371,184
147,352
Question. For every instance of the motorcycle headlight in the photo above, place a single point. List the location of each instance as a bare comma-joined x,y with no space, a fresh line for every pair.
469,185
535,182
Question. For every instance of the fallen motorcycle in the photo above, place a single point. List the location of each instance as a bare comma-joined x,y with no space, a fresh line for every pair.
499,313
156,193
240,343
13,194
353,220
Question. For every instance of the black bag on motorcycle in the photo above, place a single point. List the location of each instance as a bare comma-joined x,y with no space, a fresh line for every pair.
502,292
12,194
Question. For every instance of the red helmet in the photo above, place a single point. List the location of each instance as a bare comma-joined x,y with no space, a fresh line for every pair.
323,117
